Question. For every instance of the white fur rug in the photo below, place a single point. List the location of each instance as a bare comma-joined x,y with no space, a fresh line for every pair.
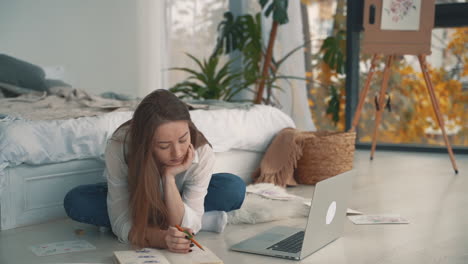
266,202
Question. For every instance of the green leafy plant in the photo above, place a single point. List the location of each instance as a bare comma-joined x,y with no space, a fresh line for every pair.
243,34
333,107
333,54
333,49
209,82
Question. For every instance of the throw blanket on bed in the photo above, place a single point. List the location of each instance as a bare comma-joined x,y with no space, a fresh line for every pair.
280,159
61,102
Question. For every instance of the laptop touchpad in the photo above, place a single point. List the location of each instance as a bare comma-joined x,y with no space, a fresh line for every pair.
269,237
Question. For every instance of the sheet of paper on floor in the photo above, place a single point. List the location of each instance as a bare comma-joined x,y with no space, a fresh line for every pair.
377,219
61,247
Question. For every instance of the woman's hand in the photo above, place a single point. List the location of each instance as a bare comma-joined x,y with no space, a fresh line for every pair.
178,241
172,171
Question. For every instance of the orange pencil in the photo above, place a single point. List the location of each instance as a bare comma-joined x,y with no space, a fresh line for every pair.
190,236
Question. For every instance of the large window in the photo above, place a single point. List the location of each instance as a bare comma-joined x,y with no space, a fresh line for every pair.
411,121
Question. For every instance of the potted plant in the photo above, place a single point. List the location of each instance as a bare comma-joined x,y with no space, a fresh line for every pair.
259,67
209,82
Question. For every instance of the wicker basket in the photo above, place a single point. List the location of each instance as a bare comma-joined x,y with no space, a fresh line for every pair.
325,154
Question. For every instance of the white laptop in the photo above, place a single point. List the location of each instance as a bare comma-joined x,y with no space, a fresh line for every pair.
325,224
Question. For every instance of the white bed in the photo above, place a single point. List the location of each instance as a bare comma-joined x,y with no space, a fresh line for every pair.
40,161
24,201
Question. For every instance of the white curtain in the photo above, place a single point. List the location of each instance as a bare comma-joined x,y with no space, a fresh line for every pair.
289,36
191,27
152,45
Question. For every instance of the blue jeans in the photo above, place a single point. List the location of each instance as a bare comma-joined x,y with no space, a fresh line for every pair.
87,203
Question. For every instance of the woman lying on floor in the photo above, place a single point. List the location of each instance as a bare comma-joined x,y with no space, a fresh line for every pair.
159,170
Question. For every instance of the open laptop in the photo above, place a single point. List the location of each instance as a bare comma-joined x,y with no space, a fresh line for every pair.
325,224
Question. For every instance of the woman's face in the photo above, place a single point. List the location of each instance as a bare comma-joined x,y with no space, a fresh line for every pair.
172,140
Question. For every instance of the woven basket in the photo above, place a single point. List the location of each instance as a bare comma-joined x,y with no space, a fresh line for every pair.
325,154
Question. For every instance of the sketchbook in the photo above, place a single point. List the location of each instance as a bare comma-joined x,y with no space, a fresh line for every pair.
151,255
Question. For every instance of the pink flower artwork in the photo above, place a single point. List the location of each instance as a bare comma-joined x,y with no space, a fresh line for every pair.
399,9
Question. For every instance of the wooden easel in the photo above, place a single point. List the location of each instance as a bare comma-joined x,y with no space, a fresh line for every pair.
383,90
380,37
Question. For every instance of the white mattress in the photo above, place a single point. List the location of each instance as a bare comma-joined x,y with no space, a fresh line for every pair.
239,162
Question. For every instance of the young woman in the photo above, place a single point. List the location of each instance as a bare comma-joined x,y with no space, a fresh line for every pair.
159,170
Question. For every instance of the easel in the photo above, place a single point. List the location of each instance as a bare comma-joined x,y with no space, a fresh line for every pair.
393,42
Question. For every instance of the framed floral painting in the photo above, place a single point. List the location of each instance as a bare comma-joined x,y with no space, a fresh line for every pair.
398,26
401,14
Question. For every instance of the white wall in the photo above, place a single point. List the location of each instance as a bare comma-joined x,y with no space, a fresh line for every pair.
98,42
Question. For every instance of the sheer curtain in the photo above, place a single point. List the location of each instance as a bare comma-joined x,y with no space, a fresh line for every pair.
294,98
152,46
191,27
168,29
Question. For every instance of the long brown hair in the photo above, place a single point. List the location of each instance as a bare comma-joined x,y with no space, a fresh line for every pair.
144,179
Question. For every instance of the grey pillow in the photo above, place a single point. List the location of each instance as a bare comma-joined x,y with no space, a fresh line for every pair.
21,73
53,83
10,90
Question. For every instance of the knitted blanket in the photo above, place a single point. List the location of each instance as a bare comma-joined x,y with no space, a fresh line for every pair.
280,159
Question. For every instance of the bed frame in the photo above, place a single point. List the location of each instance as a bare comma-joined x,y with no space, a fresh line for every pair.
34,194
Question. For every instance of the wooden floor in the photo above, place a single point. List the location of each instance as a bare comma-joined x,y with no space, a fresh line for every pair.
421,187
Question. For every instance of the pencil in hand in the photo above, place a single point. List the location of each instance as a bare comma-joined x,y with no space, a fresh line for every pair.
190,236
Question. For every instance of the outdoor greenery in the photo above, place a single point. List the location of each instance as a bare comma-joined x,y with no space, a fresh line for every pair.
413,118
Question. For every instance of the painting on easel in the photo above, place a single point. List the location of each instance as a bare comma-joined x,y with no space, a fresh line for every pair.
401,15
398,26
393,28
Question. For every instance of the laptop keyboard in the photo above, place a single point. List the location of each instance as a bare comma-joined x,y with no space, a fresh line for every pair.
291,244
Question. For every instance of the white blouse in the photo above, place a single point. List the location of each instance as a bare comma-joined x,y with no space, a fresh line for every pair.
192,185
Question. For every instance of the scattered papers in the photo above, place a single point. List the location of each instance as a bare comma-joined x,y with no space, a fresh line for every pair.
353,212
271,191
377,219
61,247
349,211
